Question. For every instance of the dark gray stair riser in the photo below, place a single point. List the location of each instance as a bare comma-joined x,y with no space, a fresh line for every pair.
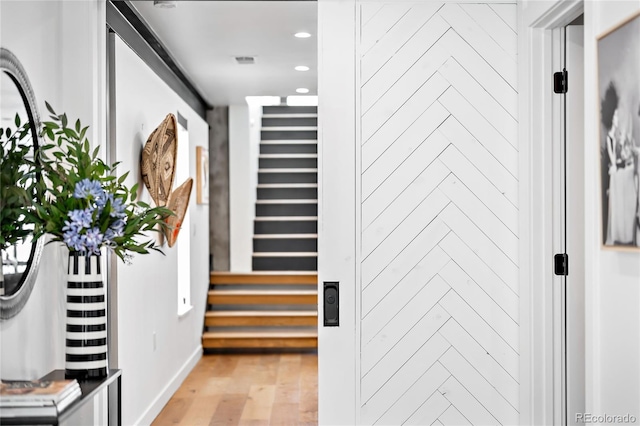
268,110
276,245
286,210
287,193
289,121
289,148
283,163
311,177
288,134
286,227
285,263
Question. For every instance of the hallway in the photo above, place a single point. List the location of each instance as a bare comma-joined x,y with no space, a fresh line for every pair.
260,389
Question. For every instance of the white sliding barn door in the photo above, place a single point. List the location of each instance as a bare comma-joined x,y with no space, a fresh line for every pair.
438,227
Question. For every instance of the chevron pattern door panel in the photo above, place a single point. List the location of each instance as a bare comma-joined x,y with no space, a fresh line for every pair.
439,222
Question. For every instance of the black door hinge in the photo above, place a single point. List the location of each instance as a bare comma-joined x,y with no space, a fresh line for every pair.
560,81
561,264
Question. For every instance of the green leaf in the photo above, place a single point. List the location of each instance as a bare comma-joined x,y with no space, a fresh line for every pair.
122,178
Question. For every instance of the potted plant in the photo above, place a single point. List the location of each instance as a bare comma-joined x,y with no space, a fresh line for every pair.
88,208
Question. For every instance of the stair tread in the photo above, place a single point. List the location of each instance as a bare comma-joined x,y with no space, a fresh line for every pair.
288,201
285,218
266,277
284,236
261,313
288,156
289,142
259,334
290,115
285,254
287,185
287,170
290,128
263,292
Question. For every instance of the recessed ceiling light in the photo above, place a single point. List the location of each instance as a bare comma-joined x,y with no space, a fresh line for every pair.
302,90
164,4
302,68
302,35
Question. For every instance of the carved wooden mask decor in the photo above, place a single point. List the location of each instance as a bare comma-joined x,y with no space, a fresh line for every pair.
159,160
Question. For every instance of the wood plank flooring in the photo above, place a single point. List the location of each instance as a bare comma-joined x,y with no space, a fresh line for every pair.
247,390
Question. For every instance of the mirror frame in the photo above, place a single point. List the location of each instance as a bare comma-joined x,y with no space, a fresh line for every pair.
12,304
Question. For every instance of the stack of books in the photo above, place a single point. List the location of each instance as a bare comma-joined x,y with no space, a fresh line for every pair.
37,399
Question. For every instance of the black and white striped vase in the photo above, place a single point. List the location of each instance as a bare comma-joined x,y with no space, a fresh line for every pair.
86,336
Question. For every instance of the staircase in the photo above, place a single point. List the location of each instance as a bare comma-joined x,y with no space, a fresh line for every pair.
286,224
261,310
269,308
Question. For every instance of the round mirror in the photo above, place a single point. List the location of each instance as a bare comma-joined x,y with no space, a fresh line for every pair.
19,121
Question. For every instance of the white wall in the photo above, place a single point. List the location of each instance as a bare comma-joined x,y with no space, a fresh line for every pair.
614,276
61,46
244,141
147,289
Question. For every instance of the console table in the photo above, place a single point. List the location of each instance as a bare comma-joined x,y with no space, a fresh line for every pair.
89,388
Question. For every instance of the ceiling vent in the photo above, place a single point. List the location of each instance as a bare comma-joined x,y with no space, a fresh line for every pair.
245,60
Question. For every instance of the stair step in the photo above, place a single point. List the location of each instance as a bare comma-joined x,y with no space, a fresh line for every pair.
260,318
269,262
286,208
291,201
286,185
293,161
281,225
292,244
286,254
287,218
290,142
284,236
291,170
286,109
276,277
262,297
280,339
301,115
289,128
277,191
276,133
269,156
298,122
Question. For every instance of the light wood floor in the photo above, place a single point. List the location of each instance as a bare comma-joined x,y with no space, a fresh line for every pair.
247,390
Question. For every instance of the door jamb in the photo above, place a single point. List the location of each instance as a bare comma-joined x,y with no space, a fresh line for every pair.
537,124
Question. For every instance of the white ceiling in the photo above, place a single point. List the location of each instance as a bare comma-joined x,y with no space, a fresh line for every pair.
205,36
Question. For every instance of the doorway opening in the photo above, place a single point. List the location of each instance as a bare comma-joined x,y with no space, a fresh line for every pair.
568,224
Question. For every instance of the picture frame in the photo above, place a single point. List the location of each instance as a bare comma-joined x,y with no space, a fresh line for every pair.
618,61
202,175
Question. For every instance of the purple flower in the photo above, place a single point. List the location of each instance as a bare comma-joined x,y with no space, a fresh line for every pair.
92,240
78,219
117,207
73,240
116,229
90,189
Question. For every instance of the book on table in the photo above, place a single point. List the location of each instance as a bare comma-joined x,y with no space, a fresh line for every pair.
36,398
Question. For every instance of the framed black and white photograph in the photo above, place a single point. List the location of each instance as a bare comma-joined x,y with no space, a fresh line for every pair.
619,94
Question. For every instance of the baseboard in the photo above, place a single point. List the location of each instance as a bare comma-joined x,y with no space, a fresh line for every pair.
165,395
